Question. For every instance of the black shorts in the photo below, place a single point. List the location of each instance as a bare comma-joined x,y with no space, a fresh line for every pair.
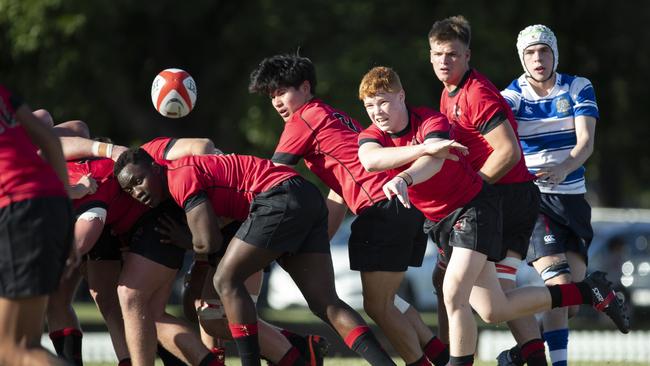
520,208
476,226
290,217
35,240
107,248
387,237
563,225
145,240
227,233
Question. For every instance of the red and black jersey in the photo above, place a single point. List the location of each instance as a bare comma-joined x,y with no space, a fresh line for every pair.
474,108
452,187
23,174
327,140
158,148
122,210
229,181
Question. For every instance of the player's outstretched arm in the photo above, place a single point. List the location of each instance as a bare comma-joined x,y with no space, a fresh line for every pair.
75,147
204,225
375,157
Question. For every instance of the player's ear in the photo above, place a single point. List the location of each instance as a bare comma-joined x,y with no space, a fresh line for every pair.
305,87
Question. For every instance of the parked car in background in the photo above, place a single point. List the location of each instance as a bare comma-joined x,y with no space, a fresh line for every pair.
416,288
620,247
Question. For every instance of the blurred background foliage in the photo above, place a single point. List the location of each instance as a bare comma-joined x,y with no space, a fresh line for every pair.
95,61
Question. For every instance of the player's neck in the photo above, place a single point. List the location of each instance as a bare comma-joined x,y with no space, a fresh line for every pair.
543,88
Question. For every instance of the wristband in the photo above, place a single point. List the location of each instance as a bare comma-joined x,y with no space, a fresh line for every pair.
109,150
407,178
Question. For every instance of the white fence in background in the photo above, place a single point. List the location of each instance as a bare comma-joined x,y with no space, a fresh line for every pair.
583,346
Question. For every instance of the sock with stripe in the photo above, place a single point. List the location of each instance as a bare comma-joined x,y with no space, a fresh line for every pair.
67,344
245,336
362,341
557,341
533,352
569,294
437,352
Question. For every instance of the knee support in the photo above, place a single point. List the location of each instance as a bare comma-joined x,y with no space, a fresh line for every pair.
507,268
554,270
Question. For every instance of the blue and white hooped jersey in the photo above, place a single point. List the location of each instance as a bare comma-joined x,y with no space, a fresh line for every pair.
546,125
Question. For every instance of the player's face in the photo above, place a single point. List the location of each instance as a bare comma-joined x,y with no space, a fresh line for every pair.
538,59
142,183
450,60
287,100
387,111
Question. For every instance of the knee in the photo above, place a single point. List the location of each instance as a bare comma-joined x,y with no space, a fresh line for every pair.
80,128
223,282
128,297
492,315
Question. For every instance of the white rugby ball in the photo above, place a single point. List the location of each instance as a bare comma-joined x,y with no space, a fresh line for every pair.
173,93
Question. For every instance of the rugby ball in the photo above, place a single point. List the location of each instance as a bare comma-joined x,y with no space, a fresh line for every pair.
173,93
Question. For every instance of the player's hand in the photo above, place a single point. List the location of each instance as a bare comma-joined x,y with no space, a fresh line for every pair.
551,176
174,232
397,187
89,183
442,149
117,151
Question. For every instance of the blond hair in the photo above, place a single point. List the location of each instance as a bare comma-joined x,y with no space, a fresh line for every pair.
380,79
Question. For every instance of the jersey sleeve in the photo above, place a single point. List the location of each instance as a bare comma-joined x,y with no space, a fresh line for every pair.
158,148
512,95
296,141
488,112
434,125
186,187
371,134
582,92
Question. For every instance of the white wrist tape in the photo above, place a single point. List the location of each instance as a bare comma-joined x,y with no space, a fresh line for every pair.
95,148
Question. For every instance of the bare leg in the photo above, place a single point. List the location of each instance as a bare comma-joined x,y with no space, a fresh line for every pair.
102,280
143,290
379,289
21,326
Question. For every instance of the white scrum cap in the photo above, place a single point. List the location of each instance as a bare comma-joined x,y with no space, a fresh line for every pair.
537,34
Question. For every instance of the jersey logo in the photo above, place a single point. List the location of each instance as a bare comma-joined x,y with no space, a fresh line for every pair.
347,121
562,106
528,110
457,112
549,239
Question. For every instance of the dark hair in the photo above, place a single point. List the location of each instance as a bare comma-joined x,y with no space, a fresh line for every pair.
135,156
282,71
450,29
